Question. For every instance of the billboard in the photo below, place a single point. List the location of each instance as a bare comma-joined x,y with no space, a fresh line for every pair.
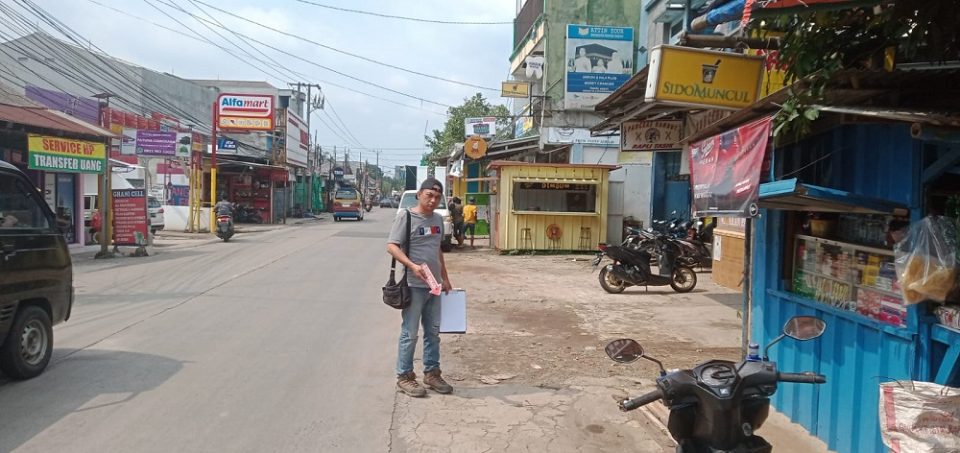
297,141
598,61
725,171
247,112
156,143
82,108
485,127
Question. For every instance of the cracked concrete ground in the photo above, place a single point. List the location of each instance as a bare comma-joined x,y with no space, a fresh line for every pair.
531,374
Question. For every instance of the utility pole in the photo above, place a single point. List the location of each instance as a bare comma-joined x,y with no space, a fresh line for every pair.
311,105
380,177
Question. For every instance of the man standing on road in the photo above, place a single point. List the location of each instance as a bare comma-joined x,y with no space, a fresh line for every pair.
426,234
470,218
456,211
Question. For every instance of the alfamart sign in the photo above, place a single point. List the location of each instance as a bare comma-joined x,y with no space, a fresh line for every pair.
703,78
245,112
57,154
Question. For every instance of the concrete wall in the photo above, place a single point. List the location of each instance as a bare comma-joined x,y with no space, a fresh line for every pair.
559,13
637,179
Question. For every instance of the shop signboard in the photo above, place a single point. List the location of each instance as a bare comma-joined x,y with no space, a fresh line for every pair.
514,89
226,144
599,60
156,143
298,139
575,135
130,221
57,154
663,135
522,126
245,112
703,78
184,144
483,127
725,171
128,141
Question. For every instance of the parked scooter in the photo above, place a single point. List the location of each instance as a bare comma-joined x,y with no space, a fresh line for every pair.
248,214
718,405
631,266
225,227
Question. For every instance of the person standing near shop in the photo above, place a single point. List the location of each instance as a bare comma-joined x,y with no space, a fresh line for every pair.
456,211
426,234
470,219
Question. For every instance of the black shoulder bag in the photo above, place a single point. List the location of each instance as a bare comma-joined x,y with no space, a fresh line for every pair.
397,295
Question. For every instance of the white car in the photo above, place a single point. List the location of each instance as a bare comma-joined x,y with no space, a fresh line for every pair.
156,214
409,200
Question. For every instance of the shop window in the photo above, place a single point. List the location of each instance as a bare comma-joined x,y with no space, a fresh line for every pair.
20,205
847,261
555,197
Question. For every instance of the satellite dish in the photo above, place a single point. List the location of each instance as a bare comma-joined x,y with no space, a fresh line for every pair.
534,67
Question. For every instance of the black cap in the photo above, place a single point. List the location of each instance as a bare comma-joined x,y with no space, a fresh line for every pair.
431,184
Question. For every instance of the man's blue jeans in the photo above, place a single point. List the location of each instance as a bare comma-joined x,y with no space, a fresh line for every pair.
424,308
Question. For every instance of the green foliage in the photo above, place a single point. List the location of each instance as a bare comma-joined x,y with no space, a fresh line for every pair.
442,141
815,46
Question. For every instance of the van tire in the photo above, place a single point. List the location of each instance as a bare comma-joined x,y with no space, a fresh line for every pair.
24,361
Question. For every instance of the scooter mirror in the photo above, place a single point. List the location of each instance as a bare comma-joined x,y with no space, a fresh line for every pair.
624,350
804,327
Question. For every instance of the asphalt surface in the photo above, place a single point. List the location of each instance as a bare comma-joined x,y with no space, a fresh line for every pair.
275,341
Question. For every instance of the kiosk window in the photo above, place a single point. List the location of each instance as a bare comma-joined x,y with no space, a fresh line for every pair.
555,197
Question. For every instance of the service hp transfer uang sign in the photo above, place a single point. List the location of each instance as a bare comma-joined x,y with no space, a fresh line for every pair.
703,78
57,154
245,112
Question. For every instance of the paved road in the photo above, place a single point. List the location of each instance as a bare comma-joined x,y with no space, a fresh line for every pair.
275,341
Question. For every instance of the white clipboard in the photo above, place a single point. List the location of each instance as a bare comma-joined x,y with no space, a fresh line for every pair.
453,311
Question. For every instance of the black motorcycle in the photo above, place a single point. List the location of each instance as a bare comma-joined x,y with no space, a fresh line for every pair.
717,406
631,266
248,214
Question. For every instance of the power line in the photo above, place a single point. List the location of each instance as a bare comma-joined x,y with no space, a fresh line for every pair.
334,49
247,38
337,116
335,71
390,16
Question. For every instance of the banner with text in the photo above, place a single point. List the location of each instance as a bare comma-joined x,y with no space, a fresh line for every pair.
725,171
598,61
57,154
130,221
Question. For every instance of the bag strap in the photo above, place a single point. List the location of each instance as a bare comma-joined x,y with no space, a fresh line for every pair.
406,251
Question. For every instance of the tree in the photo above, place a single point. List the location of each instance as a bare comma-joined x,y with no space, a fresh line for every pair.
816,45
442,141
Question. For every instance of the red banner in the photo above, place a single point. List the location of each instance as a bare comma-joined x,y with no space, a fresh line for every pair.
725,171
130,218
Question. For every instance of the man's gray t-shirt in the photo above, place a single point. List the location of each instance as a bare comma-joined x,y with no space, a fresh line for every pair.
426,234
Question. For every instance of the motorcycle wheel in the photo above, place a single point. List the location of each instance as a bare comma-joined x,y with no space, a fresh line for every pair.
610,283
684,279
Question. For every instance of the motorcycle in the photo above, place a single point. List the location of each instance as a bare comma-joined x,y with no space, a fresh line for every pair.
719,405
631,266
225,227
248,214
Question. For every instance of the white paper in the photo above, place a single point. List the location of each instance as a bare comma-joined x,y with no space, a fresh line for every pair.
453,311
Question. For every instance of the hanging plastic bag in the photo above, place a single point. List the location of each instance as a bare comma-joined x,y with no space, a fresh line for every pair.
919,417
926,260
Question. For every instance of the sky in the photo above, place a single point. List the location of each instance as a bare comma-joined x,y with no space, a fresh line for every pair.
474,54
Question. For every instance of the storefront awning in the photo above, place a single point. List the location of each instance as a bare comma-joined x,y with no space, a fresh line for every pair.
792,195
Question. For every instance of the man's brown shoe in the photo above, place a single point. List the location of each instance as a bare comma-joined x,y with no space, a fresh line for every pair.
433,381
409,385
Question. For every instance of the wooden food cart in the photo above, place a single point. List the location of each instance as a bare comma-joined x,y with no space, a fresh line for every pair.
539,206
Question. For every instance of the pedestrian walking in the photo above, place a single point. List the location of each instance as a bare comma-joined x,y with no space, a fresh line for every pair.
456,211
470,218
426,234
